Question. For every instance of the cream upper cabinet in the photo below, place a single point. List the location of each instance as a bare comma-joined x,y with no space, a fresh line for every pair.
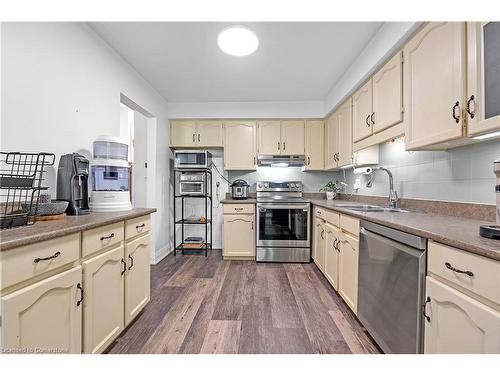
332,255
483,62
319,243
348,269
183,133
46,316
362,112
103,312
345,154
137,280
209,133
240,145
239,235
314,145
434,85
332,141
269,137
457,323
388,94
292,137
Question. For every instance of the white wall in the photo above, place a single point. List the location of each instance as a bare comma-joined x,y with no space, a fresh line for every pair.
61,87
312,109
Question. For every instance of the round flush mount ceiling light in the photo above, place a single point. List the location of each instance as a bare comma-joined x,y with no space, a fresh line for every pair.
238,41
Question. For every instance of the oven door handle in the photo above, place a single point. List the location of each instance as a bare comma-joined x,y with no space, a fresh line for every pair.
283,207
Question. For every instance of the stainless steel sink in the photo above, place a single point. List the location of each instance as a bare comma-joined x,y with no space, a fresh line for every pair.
369,208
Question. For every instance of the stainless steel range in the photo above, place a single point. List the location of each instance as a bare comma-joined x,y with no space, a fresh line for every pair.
283,223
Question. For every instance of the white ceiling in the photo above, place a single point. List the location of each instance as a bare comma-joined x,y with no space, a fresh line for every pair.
298,61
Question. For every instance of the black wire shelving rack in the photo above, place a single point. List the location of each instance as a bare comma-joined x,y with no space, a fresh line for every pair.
182,221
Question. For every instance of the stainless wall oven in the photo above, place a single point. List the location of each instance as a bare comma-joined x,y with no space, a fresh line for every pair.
283,223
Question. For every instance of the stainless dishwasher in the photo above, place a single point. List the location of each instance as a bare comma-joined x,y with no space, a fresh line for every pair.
391,287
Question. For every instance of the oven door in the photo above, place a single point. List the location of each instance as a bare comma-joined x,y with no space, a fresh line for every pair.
192,188
283,224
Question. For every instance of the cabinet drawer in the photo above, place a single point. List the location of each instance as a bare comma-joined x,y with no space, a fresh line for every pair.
25,262
350,224
320,212
333,218
99,238
137,226
485,278
239,209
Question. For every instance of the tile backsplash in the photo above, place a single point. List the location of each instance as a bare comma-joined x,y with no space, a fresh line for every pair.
463,174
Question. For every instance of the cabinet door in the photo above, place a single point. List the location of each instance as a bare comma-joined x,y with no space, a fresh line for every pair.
239,236
345,155
362,112
332,255
270,137
183,133
458,324
388,94
45,317
209,133
319,243
332,141
348,270
434,82
483,77
103,306
314,145
240,145
292,137
137,280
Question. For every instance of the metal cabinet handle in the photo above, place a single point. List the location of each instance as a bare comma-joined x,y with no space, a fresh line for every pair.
427,317
284,146
338,245
335,244
450,267
199,140
131,262
254,161
322,231
278,145
79,302
194,139
56,254
372,118
367,120
252,225
140,226
124,266
457,118
308,160
471,99
107,237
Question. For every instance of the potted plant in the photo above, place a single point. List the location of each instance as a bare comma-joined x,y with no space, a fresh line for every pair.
331,188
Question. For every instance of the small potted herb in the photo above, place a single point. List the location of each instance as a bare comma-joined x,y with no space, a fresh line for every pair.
331,188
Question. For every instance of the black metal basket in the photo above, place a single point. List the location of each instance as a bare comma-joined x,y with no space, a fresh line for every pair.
21,179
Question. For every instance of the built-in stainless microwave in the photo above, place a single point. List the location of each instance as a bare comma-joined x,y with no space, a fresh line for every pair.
195,159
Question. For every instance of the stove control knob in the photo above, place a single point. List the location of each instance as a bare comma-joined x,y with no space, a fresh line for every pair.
266,185
260,186
292,185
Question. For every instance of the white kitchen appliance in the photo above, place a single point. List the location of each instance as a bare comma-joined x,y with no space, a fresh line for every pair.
493,231
110,175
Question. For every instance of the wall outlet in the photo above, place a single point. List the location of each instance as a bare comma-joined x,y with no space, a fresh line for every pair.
357,184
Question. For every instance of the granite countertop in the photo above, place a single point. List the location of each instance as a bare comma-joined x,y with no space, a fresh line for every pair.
46,230
239,201
457,232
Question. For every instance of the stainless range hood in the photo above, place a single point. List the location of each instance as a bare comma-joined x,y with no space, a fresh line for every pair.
281,160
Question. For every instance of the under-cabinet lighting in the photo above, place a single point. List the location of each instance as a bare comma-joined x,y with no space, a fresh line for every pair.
348,166
486,136
279,165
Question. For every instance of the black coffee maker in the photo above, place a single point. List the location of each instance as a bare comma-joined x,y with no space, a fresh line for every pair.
72,183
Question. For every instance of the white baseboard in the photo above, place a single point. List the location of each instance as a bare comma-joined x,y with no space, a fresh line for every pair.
161,253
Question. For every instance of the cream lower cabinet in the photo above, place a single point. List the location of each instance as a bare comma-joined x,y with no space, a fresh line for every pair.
103,277
457,323
319,243
239,231
434,86
240,146
332,255
45,317
137,276
314,145
348,269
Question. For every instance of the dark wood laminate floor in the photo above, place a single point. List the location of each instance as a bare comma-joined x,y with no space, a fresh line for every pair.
207,305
